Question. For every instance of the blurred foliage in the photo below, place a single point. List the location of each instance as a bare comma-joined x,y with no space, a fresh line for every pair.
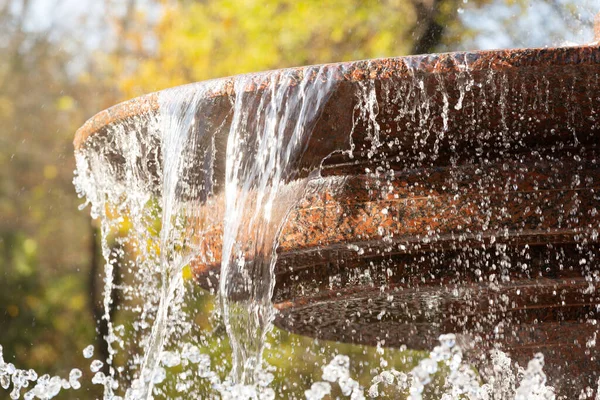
201,40
208,39
53,78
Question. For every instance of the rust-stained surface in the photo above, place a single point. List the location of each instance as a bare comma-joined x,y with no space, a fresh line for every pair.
412,213
481,228
381,69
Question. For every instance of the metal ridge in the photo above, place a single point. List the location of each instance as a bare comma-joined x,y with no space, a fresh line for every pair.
381,68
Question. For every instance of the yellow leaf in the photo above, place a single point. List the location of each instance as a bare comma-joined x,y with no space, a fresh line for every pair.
65,103
50,171
13,310
187,273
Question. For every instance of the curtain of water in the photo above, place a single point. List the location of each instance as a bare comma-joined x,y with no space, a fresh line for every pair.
186,142
229,164
268,135
201,151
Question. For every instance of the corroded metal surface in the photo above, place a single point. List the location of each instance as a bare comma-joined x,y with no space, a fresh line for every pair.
380,69
414,214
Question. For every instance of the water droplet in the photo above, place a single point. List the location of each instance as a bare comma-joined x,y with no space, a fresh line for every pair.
96,365
88,352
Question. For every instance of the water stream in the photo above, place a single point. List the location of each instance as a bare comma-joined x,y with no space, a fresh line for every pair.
268,136
248,157
204,187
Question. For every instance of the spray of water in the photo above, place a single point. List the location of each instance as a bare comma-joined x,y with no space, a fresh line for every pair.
204,186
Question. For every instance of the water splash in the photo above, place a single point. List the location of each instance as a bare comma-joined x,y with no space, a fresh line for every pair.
249,158
460,379
204,186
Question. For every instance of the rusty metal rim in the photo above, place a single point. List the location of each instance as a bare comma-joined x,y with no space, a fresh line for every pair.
353,71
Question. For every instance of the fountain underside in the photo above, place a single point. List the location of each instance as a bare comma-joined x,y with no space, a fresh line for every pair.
486,226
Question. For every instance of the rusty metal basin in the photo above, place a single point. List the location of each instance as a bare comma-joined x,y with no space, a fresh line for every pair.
487,225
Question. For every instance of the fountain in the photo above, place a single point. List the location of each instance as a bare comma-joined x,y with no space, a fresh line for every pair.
447,200
406,198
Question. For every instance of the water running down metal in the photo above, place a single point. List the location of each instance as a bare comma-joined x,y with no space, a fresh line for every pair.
440,202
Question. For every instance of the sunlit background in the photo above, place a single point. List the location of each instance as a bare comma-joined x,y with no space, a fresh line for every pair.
61,61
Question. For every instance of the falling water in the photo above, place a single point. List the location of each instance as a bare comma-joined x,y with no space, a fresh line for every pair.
268,136
198,194
251,164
